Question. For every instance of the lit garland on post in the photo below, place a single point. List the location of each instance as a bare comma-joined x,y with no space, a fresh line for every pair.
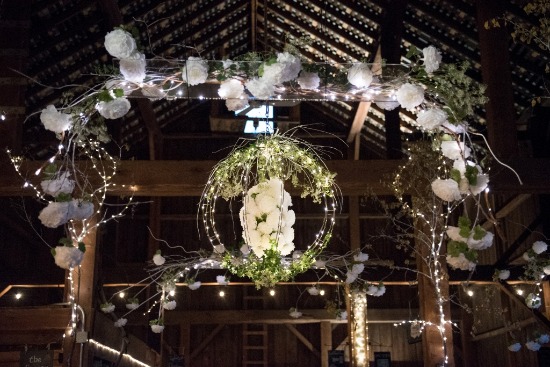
359,328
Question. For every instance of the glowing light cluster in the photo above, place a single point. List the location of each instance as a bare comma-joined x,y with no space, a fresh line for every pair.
359,329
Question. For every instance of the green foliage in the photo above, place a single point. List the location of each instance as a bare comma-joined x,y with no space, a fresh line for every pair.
158,321
471,174
50,171
82,247
63,197
455,248
64,241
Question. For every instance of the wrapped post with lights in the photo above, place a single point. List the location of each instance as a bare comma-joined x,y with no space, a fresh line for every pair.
358,327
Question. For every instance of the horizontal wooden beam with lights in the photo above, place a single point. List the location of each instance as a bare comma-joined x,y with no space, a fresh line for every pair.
188,178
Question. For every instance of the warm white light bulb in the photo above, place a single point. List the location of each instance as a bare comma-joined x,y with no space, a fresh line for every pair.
470,293
221,294
172,293
121,294
272,292
322,292
18,295
520,292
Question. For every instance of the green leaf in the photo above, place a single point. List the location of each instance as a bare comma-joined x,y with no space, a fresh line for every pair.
50,170
52,250
471,174
455,248
63,197
464,224
479,232
82,247
413,51
455,175
118,92
104,96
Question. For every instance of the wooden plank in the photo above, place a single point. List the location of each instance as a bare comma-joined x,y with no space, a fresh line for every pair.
303,339
506,288
34,318
206,341
515,326
204,317
187,178
508,208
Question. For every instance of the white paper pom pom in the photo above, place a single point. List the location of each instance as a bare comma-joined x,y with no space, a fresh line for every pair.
55,214
68,257
446,190
55,121
360,75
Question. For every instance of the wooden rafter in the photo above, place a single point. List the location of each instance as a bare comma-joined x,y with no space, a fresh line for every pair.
206,341
303,339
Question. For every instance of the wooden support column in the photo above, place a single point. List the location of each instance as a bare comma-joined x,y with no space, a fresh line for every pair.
496,74
185,343
390,44
326,342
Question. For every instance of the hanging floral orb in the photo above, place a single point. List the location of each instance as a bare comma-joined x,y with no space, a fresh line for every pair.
258,174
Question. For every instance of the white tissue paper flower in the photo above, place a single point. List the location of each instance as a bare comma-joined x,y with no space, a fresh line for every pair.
409,96
114,109
260,88
80,210
532,345
222,280
54,120
539,247
514,347
361,257
68,257
483,243
350,277
195,71
430,119
295,313
376,290
544,338
194,286
357,268
55,214
546,270
152,92
446,190
291,66
504,274
342,315
158,259
133,69
237,104
107,308
533,301
360,75
308,80
60,185
432,59
526,256
313,291
387,105
170,305
157,328
454,234
132,305
120,44
231,88
121,322
460,262
453,149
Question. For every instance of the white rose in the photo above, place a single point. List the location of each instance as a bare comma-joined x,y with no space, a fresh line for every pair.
409,96
68,257
62,184
431,119
231,88
114,109
387,105
539,247
55,121
532,345
222,280
453,149
260,88
273,73
482,244
292,66
446,190
460,262
170,305
158,259
194,286
514,347
195,71
432,59
454,234
314,291
120,44
237,104
308,80
157,328
360,75
55,214
133,69
504,274
295,314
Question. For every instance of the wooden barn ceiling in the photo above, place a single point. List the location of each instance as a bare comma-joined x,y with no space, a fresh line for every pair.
66,47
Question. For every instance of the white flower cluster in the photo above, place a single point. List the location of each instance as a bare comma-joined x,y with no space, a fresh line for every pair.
157,328
158,259
503,274
194,286
533,301
107,307
169,305
59,213
68,257
266,219
514,347
452,189
360,75
354,272
54,120
376,290
195,71
222,280
533,345
286,68
232,90
432,59
294,313
460,262
121,322
475,244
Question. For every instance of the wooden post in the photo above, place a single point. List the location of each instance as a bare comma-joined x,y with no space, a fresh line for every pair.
185,343
326,342
495,70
